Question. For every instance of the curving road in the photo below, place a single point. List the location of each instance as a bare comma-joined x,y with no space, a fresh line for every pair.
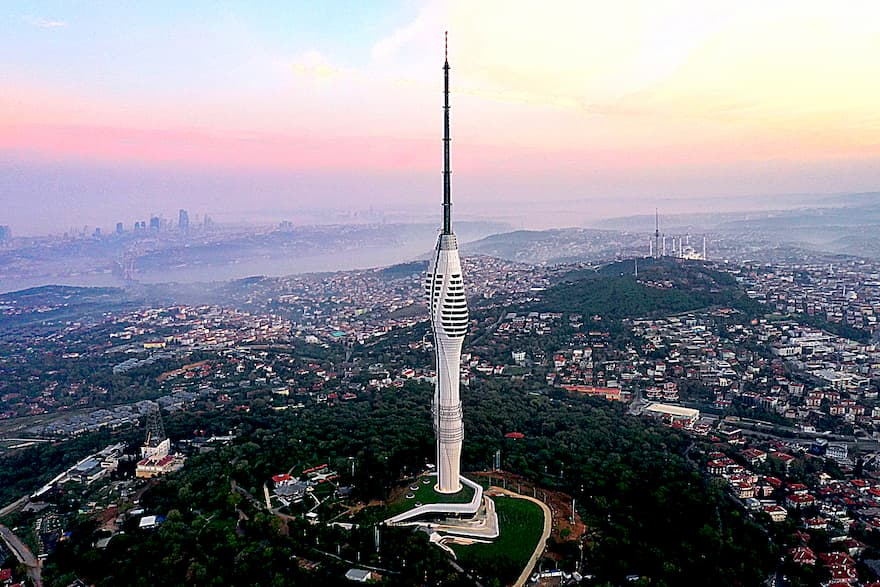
23,554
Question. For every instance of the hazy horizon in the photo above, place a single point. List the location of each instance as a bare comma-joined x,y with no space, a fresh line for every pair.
58,197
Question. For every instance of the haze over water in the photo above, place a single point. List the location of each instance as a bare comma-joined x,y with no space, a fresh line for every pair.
274,267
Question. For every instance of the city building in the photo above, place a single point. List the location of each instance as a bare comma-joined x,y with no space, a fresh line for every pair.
183,220
687,416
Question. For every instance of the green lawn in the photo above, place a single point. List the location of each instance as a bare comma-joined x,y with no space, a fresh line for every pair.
521,523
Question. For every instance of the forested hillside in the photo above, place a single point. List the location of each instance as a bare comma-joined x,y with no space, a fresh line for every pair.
648,509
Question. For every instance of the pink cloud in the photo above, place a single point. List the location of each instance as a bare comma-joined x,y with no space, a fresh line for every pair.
259,151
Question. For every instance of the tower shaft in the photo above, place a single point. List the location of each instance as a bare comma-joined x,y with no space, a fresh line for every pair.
447,305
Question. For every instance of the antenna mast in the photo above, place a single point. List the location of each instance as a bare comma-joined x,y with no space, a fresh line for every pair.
447,199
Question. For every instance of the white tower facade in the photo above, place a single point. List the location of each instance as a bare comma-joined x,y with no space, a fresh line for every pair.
447,305
449,320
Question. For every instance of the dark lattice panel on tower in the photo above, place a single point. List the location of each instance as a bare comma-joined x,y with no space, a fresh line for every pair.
155,428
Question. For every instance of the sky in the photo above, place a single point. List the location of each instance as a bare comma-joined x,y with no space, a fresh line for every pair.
118,110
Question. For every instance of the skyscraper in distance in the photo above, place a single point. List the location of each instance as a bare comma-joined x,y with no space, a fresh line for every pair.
447,305
183,220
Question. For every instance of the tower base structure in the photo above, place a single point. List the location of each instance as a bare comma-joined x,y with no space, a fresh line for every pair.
471,521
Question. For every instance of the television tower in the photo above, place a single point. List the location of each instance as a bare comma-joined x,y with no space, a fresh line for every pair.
155,428
656,232
447,305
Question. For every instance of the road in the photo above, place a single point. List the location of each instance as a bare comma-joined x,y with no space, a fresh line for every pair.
247,494
23,554
13,507
489,330
765,430
8,439
768,430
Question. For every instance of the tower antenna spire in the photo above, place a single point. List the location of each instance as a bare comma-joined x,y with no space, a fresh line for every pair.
447,174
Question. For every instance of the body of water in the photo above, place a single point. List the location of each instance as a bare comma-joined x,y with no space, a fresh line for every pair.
362,258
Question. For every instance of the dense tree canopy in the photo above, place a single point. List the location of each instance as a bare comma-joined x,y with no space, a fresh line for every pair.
648,509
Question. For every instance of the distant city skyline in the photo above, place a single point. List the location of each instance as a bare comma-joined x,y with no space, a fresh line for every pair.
122,110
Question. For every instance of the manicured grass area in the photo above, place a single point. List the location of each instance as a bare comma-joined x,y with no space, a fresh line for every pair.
521,523
425,494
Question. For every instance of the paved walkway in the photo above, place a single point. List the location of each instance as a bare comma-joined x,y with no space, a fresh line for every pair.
542,543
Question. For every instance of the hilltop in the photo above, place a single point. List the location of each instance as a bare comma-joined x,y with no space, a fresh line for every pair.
662,287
